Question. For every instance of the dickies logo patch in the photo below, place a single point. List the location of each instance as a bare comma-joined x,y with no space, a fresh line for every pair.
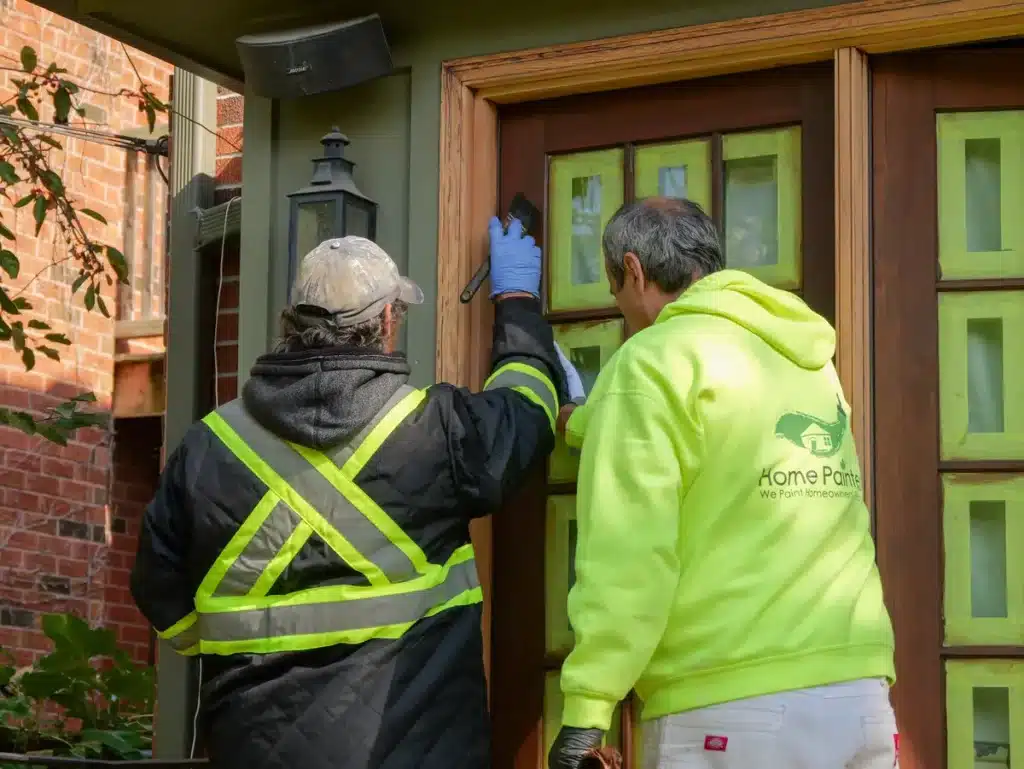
716,743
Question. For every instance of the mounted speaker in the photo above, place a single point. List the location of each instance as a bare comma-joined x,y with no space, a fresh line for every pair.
312,60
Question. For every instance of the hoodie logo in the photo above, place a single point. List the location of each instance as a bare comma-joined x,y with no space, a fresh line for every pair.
818,436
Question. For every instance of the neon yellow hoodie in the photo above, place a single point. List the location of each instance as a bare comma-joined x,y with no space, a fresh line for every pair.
724,548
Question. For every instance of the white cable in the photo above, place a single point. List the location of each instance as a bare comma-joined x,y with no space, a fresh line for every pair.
216,403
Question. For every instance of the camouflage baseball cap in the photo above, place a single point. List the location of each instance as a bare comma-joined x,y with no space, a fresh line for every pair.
352,280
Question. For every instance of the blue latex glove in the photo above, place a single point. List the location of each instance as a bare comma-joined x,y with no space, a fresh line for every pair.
515,260
572,377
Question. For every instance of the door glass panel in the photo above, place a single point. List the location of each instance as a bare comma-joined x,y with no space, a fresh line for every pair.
979,372
589,346
981,165
586,189
762,205
559,571
983,523
678,170
983,713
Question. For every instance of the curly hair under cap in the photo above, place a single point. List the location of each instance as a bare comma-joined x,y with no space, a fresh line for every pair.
301,332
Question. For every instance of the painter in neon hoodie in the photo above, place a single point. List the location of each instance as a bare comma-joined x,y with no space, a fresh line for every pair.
725,565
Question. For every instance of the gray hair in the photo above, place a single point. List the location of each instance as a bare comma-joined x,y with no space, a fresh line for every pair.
675,241
302,331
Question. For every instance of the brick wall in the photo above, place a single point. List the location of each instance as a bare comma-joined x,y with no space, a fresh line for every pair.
229,184
69,516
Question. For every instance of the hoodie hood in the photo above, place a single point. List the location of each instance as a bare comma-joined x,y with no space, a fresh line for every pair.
324,397
780,318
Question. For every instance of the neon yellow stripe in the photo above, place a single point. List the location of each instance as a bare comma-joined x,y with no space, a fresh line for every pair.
384,428
290,497
280,561
190,651
343,484
335,593
532,396
522,368
319,640
237,544
178,627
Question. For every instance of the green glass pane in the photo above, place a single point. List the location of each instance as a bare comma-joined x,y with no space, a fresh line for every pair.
672,181
988,559
983,208
762,218
981,194
985,375
981,373
586,230
751,212
991,726
677,170
584,192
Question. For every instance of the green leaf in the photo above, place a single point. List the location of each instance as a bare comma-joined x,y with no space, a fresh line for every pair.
38,325
6,233
10,263
93,214
86,397
28,358
47,139
7,173
102,305
25,200
19,420
61,339
22,303
150,116
28,58
49,352
18,334
52,182
90,298
79,281
118,262
61,104
39,213
6,304
27,108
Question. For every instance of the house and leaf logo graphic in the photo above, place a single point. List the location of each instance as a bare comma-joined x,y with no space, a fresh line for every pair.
820,437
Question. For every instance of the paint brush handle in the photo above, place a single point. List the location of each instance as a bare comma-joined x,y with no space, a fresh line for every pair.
474,284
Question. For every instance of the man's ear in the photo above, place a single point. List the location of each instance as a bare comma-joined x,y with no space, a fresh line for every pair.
633,272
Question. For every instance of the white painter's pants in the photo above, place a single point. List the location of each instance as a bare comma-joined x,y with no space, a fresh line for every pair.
842,726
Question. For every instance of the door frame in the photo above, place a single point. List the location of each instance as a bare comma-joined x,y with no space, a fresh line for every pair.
472,89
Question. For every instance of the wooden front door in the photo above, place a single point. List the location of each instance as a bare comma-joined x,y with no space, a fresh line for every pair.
756,150
948,212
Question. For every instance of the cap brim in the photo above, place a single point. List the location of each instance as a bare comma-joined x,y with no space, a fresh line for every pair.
409,292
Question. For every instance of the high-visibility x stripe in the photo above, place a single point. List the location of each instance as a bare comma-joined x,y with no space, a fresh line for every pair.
312,489
529,382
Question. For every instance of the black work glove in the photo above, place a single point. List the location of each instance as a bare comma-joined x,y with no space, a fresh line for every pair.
571,744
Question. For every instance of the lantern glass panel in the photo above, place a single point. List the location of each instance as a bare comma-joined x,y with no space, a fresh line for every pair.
358,218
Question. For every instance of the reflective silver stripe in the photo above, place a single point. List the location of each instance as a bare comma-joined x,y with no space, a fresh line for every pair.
343,453
513,378
186,639
355,614
319,493
260,550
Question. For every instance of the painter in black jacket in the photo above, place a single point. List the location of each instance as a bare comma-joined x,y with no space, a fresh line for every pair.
310,540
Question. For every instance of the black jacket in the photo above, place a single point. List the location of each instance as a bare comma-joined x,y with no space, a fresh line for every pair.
419,701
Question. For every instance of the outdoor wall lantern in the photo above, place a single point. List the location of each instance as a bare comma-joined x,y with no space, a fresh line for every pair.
330,206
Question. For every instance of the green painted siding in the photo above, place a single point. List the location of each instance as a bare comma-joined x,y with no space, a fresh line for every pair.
394,124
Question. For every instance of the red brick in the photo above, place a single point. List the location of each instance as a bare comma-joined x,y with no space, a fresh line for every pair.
229,170
227,327
230,110
229,140
227,388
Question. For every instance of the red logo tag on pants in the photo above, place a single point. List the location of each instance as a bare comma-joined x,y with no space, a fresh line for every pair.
715,742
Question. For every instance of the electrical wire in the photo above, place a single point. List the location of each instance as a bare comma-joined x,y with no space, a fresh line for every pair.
157,146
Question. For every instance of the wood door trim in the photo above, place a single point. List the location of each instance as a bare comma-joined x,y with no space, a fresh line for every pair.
472,88
853,257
